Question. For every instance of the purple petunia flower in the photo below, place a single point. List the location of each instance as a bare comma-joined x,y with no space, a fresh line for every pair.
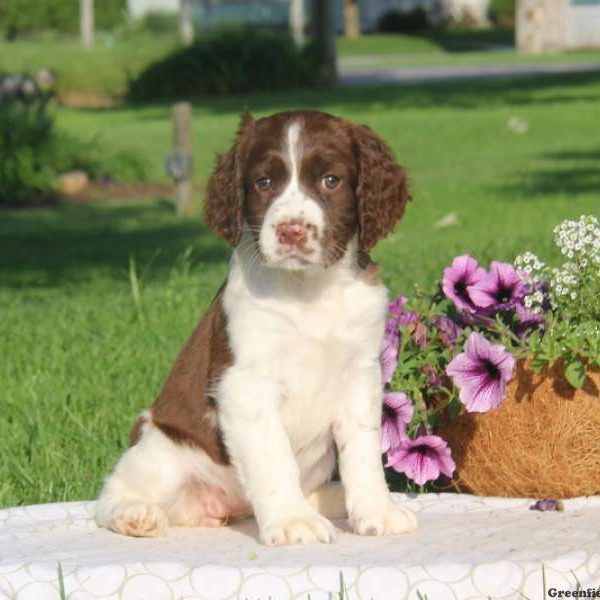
547,504
448,330
422,459
464,273
528,321
481,373
500,289
407,318
388,356
400,316
397,412
396,306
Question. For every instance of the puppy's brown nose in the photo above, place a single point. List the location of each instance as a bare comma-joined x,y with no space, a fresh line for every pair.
291,234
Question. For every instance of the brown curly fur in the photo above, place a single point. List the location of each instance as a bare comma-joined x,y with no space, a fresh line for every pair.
223,205
380,189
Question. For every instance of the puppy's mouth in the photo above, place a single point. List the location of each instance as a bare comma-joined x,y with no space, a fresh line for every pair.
293,262
292,253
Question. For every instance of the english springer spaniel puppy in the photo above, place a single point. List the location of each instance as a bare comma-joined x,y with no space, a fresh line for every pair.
280,383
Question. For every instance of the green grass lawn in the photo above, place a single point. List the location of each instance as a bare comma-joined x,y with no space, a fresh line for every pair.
102,71
447,47
102,74
96,300
435,42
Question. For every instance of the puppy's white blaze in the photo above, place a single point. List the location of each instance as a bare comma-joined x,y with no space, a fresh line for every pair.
294,153
293,204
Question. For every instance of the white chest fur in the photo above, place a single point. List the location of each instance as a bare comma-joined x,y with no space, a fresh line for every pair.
305,334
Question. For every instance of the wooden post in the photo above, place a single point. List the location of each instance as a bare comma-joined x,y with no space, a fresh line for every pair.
297,22
86,22
351,19
324,30
186,22
183,144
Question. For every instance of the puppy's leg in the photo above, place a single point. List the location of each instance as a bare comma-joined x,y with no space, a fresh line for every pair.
260,450
358,436
144,483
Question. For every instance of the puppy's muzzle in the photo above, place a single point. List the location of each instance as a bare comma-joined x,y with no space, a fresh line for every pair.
291,233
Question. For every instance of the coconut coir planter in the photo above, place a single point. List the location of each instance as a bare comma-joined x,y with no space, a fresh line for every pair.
543,441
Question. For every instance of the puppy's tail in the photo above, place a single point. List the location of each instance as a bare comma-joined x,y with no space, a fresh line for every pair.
329,500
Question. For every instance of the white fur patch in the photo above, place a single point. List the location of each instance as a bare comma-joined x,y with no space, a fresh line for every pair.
306,375
293,204
155,484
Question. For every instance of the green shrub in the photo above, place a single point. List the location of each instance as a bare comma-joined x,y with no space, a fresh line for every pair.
26,130
33,153
227,60
25,16
394,21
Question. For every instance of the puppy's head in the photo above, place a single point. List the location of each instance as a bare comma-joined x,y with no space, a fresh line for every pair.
304,184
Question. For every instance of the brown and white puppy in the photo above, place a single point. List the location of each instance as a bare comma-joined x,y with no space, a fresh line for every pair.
281,380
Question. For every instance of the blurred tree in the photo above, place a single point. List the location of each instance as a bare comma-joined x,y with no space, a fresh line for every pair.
186,22
297,21
323,37
351,19
26,16
86,22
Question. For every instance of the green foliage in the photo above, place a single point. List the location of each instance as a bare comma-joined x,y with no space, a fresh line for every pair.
575,373
225,61
24,16
536,314
573,293
26,138
33,153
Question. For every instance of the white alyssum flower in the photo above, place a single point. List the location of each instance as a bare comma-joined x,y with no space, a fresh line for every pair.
529,266
579,240
564,282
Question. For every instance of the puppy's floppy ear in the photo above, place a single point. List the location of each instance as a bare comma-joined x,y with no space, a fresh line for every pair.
224,200
381,190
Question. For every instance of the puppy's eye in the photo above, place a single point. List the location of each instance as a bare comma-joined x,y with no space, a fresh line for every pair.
331,181
264,183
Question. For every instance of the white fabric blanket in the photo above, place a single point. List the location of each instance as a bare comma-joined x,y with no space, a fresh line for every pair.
466,548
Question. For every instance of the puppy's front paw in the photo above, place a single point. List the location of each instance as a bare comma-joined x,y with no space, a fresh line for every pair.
390,520
302,527
139,520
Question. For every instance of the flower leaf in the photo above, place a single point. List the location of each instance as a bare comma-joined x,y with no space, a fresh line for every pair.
575,373
538,363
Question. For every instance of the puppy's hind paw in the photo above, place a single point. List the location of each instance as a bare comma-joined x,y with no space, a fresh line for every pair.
138,520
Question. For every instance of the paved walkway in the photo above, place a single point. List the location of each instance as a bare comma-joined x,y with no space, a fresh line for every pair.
351,74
